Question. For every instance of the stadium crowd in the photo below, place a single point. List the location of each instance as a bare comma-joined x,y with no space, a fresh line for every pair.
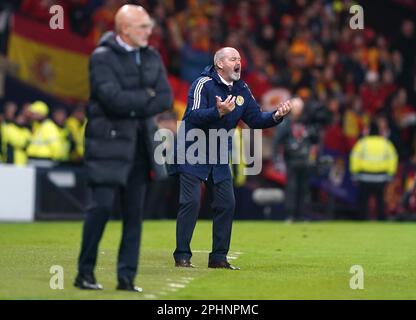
348,79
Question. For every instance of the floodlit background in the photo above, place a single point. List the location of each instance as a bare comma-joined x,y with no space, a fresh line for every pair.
347,79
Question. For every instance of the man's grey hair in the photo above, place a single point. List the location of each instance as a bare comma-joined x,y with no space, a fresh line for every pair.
219,55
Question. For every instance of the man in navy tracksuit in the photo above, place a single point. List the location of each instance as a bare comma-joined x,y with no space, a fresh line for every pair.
217,100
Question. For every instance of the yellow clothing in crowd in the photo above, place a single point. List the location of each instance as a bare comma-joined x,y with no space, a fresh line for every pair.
14,141
374,158
77,130
49,141
354,124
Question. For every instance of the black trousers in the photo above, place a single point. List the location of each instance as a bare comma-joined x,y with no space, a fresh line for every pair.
366,191
297,191
97,214
223,205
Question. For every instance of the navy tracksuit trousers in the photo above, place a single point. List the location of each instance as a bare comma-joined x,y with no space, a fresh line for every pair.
223,204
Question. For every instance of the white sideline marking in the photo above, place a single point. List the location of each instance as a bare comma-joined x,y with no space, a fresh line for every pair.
176,285
183,281
173,285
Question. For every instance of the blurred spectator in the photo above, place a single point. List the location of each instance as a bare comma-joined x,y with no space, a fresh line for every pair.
355,122
168,189
372,94
258,78
9,112
301,48
373,162
334,140
385,130
79,16
66,142
195,51
243,17
294,140
16,138
405,43
49,143
404,118
76,123
408,200
103,19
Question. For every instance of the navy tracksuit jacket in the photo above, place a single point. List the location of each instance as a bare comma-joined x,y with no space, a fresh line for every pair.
201,112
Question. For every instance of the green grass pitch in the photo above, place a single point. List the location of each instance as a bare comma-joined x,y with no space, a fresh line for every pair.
277,260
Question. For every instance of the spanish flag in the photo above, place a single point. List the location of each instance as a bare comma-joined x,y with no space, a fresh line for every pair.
55,61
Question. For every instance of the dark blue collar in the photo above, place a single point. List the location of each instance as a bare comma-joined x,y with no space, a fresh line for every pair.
210,71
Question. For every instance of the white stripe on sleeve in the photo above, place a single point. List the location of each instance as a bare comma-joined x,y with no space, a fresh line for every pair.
197,92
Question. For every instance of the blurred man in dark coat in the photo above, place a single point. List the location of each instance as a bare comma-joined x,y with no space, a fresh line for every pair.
128,86
296,141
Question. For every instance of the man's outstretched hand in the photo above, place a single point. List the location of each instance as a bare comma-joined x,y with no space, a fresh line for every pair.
225,106
283,109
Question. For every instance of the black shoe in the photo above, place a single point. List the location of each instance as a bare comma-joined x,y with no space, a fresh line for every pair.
87,282
221,265
184,263
128,285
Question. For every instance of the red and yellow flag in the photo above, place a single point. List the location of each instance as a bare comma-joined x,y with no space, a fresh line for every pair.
180,90
55,61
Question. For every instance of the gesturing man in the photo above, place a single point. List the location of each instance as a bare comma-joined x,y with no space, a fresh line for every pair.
128,86
216,100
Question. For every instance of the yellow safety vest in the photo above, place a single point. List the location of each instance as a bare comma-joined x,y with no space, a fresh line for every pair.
373,155
49,141
3,146
77,130
16,138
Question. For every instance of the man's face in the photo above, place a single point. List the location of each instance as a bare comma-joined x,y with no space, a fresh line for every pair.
59,116
230,65
139,30
10,110
35,116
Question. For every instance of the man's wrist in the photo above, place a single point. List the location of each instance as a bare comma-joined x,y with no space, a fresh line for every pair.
276,118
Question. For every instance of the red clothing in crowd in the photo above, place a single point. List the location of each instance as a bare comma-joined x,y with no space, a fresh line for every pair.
334,139
374,98
258,83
